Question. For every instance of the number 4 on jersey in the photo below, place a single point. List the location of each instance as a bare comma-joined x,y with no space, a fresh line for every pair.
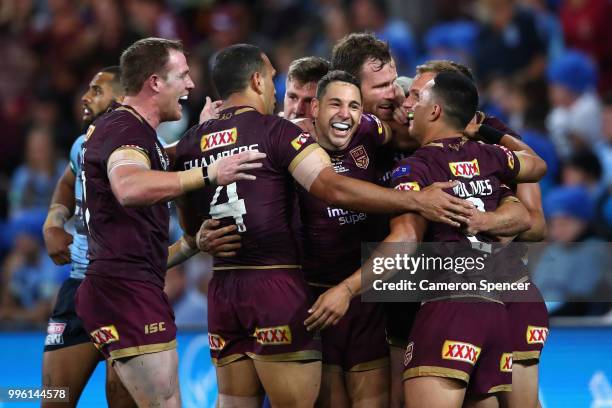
234,207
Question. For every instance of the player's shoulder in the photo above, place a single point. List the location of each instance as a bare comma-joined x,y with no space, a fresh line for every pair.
76,147
78,142
370,125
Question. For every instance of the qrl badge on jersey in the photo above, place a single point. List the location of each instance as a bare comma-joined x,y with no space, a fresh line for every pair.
215,342
460,351
408,353
467,169
360,156
218,139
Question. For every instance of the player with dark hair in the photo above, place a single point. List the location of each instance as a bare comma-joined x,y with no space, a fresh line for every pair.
524,317
258,299
69,356
436,373
355,355
126,187
369,59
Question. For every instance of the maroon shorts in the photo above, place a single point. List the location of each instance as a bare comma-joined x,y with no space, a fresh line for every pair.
528,327
400,318
357,342
125,318
467,341
260,314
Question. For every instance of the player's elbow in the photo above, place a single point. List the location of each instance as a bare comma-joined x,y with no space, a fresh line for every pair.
335,197
540,168
128,195
538,230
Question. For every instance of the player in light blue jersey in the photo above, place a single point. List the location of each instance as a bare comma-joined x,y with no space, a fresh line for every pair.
70,357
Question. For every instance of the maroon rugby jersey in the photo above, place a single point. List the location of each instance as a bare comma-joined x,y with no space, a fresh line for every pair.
481,169
262,209
331,236
126,243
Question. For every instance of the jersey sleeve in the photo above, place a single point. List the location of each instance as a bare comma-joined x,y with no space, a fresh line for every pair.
505,162
409,175
74,154
124,134
374,127
181,148
287,144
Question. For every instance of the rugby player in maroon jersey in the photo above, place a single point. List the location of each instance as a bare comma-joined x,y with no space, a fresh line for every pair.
432,124
524,316
126,187
268,253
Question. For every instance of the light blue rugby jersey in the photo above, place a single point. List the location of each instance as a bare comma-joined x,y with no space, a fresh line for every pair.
78,248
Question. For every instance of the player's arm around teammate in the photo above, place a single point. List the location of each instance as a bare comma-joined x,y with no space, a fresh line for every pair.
509,219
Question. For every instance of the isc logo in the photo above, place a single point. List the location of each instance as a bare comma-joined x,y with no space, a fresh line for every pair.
218,139
456,350
105,335
465,169
273,335
536,335
155,327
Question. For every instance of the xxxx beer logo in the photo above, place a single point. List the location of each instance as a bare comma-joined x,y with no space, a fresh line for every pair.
466,169
410,186
218,139
273,335
505,363
299,141
215,342
360,156
105,335
536,335
459,351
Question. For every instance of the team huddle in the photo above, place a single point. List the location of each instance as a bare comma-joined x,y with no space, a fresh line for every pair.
283,204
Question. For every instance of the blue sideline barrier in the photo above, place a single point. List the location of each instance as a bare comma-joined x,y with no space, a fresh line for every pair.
576,369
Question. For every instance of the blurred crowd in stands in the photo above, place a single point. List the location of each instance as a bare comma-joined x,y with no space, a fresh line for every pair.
543,66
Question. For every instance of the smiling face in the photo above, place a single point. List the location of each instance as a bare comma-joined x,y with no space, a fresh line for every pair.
298,98
174,87
378,89
98,97
337,115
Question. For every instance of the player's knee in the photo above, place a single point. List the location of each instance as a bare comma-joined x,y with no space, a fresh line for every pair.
233,401
118,396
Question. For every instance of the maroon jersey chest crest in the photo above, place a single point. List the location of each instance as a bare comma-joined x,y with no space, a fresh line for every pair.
360,156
